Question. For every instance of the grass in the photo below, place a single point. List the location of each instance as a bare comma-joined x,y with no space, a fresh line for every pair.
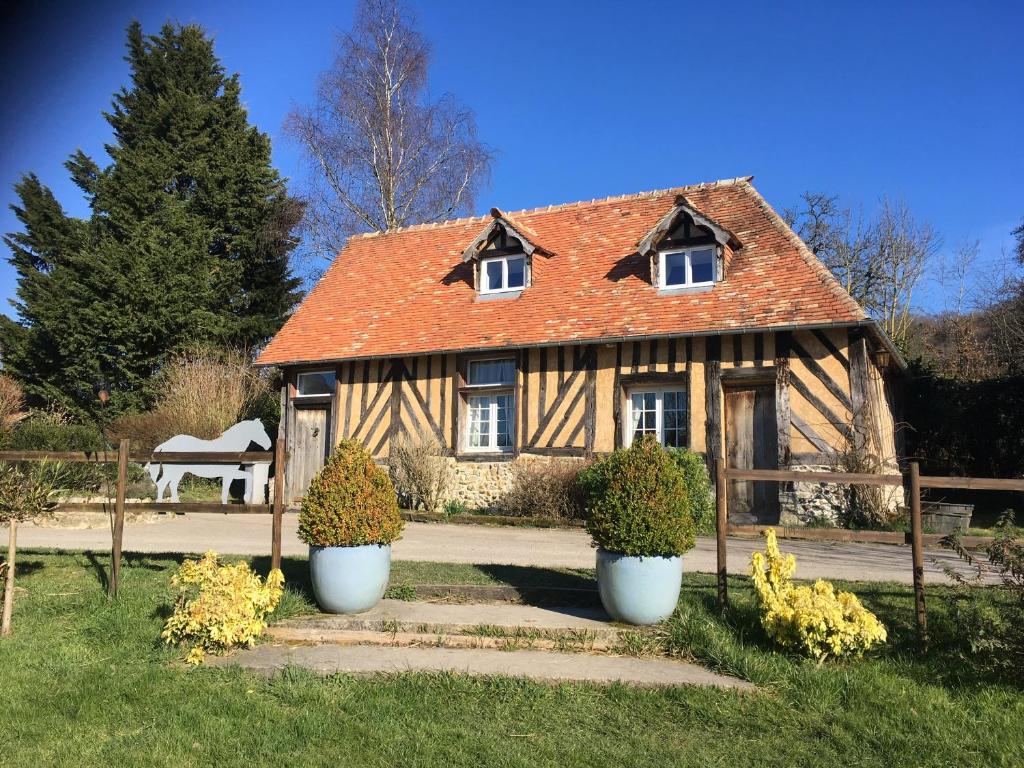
86,682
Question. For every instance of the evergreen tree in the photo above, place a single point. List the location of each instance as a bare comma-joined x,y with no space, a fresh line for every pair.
188,241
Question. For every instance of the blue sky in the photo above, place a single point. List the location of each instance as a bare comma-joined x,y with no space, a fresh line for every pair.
919,100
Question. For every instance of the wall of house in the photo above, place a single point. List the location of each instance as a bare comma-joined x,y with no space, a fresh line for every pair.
570,400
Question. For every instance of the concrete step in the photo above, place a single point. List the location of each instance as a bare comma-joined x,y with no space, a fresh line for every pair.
536,665
583,641
427,618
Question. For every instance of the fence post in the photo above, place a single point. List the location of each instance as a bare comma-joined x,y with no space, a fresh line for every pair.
721,527
275,545
122,492
917,547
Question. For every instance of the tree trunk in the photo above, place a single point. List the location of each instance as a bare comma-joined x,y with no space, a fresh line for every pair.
12,538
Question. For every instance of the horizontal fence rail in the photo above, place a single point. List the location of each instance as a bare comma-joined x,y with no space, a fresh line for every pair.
169,457
123,456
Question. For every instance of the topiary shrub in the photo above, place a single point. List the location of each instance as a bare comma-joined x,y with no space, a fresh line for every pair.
816,621
637,503
698,488
351,502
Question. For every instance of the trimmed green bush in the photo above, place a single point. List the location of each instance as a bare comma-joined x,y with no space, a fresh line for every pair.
637,503
43,435
351,502
33,435
698,488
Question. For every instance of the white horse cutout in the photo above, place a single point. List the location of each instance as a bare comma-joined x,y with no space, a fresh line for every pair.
235,440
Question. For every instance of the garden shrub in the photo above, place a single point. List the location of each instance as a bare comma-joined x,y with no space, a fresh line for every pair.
697,480
988,609
350,502
40,433
546,488
816,621
219,606
420,471
636,502
205,391
145,430
12,403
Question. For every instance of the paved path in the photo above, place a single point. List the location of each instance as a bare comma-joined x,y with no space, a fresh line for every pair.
536,665
435,542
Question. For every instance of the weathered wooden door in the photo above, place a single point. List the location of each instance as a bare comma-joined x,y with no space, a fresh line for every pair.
751,442
309,445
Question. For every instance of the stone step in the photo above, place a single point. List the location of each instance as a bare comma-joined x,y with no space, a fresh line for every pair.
583,641
425,618
533,664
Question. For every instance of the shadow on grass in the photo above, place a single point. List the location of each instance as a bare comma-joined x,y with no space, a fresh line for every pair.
25,567
534,578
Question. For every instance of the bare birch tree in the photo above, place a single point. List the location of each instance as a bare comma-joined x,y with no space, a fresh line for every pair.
382,154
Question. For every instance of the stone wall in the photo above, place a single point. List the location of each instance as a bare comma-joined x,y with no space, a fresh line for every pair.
481,484
812,502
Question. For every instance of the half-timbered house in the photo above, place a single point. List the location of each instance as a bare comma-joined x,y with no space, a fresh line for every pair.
694,314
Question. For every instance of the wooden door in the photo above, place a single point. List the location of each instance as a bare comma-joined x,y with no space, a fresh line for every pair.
308,445
751,442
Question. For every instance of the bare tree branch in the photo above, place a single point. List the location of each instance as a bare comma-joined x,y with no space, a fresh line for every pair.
381,153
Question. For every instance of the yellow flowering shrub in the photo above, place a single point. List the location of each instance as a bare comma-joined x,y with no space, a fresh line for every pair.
816,621
219,606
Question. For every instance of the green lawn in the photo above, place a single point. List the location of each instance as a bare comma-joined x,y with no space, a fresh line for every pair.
85,682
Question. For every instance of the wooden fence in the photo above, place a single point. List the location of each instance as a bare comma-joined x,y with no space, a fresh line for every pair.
123,456
914,482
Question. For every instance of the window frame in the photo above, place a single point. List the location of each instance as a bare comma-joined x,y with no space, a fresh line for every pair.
688,252
491,394
468,390
503,259
299,395
659,391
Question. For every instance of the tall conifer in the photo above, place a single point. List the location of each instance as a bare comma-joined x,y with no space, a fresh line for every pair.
188,240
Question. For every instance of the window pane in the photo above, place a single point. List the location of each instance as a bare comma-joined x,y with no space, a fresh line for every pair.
483,372
320,383
492,278
504,433
675,269
516,273
702,265
479,421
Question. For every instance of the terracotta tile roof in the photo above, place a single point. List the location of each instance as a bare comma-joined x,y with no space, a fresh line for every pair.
408,291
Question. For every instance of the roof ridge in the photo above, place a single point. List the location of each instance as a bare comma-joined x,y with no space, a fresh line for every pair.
559,206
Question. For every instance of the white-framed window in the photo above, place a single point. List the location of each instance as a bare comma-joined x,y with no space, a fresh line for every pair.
489,411
314,384
489,422
658,411
503,273
687,267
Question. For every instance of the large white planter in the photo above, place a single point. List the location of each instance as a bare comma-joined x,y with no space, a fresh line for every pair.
349,579
638,590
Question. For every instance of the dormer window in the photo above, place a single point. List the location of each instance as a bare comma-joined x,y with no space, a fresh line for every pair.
687,249
503,257
687,267
503,273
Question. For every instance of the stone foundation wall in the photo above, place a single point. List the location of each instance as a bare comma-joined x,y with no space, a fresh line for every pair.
812,502
481,484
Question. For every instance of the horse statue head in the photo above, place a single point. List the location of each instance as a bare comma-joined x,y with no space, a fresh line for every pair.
248,432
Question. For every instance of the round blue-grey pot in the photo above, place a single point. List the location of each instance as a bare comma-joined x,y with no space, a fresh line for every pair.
638,590
349,579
